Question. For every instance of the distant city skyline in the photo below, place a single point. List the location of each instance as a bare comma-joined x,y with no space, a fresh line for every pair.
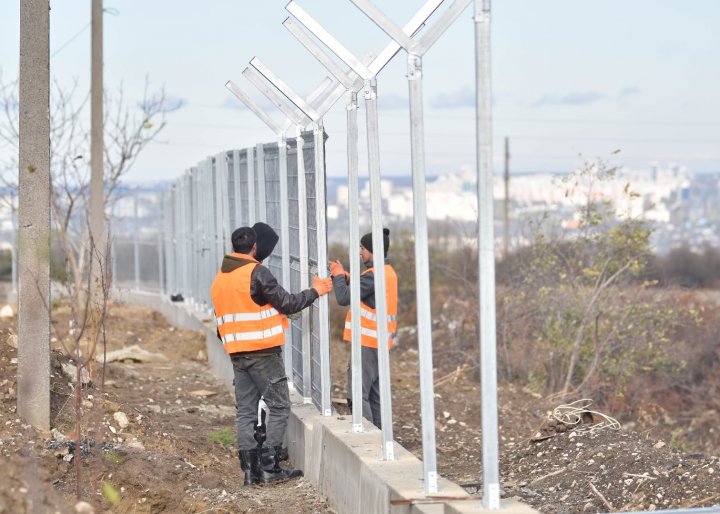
570,79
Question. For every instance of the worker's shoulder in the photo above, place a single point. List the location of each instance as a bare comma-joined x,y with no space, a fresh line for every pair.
262,272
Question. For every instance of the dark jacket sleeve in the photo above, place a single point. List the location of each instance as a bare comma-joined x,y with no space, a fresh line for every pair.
367,290
264,289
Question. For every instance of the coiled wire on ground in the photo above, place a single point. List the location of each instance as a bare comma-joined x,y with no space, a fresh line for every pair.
572,414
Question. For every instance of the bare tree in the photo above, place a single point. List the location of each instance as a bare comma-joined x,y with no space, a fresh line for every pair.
128,131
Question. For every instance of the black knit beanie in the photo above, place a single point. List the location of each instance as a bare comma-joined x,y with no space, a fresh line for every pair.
267,238
366,241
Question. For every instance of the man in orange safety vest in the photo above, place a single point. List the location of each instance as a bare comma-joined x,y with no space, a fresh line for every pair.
368,320
250,308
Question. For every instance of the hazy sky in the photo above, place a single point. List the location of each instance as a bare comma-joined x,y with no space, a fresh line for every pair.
569,77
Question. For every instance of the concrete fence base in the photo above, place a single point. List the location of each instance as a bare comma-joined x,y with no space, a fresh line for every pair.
343,466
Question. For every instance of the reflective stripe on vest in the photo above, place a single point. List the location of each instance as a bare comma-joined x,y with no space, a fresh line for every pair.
243,325
368,316
246,316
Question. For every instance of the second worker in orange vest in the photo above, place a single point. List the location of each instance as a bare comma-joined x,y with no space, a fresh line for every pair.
368,321
250,307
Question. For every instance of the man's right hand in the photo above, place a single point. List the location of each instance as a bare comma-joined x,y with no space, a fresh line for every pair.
336,268
322,285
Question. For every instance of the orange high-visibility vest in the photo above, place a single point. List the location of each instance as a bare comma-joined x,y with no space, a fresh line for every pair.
244,326
368,316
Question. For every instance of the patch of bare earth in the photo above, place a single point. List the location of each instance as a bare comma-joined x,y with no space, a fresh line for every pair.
169,458
574,471
157,436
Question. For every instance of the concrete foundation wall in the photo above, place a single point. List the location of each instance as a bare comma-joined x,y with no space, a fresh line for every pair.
344,466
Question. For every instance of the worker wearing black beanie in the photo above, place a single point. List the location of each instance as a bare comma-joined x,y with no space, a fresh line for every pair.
367,242
368,321
267,238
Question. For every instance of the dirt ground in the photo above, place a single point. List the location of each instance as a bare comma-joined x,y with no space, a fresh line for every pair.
555,469
176,453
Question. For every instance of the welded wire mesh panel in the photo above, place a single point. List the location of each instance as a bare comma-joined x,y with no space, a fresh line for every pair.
124,262
296,331
230,187
272,200
315,346
135,230
293,201
256,190
309,159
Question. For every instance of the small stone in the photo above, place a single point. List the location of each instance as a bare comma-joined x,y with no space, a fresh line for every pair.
12,340
659,444
113,429
135,445
68,457
6,312
121,419
84,508
446,414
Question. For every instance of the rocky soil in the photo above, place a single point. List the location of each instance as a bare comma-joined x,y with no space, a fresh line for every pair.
159,437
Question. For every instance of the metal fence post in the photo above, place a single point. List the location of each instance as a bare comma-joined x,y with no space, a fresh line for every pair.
198,238
422,272
304,266
322,264
354,255
373,143
285,242
486,255
136,243
160,250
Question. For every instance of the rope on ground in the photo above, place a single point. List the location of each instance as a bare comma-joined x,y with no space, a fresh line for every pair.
572,414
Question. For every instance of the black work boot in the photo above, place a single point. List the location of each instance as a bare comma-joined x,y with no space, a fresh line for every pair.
249,464
270,470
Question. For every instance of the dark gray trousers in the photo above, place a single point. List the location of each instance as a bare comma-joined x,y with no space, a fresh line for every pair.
370,384
254,377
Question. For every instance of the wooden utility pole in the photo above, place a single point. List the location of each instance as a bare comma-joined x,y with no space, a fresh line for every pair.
97,193
506,213
33,373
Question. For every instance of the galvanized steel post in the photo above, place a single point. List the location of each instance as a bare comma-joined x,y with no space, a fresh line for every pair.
373,143
354,254
160,250
304,266
486,255
285,243
322,264
136,243
422,273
